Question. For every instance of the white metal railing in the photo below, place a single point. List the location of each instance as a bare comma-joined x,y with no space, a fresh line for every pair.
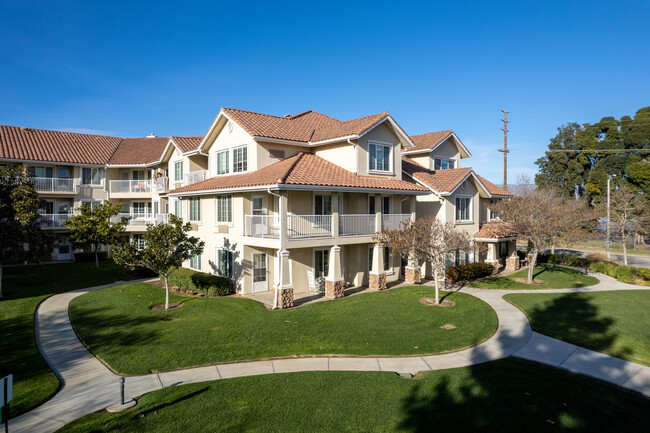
127,186
356,225
394,221
160,184
262,226
54,184
142,218
195,176
309,226
54,220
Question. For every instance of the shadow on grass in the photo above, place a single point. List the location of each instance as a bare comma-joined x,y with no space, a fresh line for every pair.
171,403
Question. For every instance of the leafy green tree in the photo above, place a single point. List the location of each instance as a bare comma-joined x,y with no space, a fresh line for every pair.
96,226
166,247
19,217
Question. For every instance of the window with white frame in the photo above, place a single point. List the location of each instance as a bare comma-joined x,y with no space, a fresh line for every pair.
378,157
195,262
224,262
178,171
322,204
91,176
138,241
41,171
321,263
387,259
239,159
443,163
178,208
92,204
464,208
224,208
223,162
195,208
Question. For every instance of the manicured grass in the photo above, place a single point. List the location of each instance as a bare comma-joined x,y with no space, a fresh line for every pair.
499,396
119,327
24,288
616,323
555,277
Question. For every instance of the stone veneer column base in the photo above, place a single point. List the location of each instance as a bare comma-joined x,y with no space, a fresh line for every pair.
513,263
334,289
412,275
377,281
285,298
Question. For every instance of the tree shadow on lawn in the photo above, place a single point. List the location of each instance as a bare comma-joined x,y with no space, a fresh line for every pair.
162,406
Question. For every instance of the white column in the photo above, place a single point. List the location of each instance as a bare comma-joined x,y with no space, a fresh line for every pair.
377,260
334,272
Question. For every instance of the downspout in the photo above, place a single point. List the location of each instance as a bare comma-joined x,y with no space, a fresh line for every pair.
356,157
276,283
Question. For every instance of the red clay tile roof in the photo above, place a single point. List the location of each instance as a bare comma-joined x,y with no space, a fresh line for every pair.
309,126
301,169
146,150
187,144
495,230
446,180
55,146
429,140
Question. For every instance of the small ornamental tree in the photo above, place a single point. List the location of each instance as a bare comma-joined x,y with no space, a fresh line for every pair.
426,239
19,217
166,247
96,226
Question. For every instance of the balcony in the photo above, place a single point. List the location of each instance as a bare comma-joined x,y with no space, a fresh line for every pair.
54,220
194,176
142,219
301,227
161,184
54,184
130,186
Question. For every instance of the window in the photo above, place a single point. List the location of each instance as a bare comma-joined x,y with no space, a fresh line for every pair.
91,176
178,208
195,209
463,208
139,209
379,157
224,208
138,175
41,171
138,241
384,205
387,259
443,164
48,207
224,263
322,204
195,263
93,204
223,163
321,263
63,172
178,171
239,160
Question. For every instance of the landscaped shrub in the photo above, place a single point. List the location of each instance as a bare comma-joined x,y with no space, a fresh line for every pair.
625,274
469,271
644,273
210,285
85,257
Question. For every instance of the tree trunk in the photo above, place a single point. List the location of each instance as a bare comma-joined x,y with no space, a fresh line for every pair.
624,253
435,279
166,293
531,266
553,249
96,258
1,295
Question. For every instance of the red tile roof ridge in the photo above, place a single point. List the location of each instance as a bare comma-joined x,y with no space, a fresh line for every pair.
256,112
299,155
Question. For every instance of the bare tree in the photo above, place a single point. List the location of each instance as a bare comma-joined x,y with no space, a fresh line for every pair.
541,216
426,239
628,213
573,222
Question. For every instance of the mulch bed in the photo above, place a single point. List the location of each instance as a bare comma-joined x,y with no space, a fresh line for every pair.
172,306
432,302
525,281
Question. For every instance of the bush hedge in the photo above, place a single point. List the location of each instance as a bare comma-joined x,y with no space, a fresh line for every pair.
470,271
209,285
87,257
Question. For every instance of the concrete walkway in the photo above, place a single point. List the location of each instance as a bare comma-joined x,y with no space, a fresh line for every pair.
88,386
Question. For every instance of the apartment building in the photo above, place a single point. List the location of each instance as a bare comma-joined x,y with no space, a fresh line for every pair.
281,202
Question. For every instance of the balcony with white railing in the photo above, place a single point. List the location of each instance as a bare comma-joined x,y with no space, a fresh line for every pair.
309,226
262,226
54,184
136,219
161,184
130,186
54,220
194,176
394,221
357,225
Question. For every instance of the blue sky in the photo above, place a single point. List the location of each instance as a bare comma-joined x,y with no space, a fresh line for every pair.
131,68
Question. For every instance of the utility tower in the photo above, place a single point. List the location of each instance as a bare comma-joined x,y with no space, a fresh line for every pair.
505,148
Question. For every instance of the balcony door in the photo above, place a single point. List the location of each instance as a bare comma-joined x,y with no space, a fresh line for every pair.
259,220
260,265
383,206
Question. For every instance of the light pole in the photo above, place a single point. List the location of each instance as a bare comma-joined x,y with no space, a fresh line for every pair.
607,242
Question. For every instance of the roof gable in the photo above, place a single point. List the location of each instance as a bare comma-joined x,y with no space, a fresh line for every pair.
429,141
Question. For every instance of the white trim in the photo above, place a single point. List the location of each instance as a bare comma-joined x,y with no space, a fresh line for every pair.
459,144
280,141
391,157
395,126
297,188
497,240
470,215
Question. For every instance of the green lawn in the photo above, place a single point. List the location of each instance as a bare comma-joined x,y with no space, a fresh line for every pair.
615,323
499,396
25,287
555,277
119,327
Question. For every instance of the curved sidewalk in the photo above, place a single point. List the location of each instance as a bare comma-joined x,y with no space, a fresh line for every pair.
88,386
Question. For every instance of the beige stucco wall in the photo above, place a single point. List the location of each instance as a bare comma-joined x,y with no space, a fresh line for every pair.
471,190
424,159
447,149
264,157
383,134
226,139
